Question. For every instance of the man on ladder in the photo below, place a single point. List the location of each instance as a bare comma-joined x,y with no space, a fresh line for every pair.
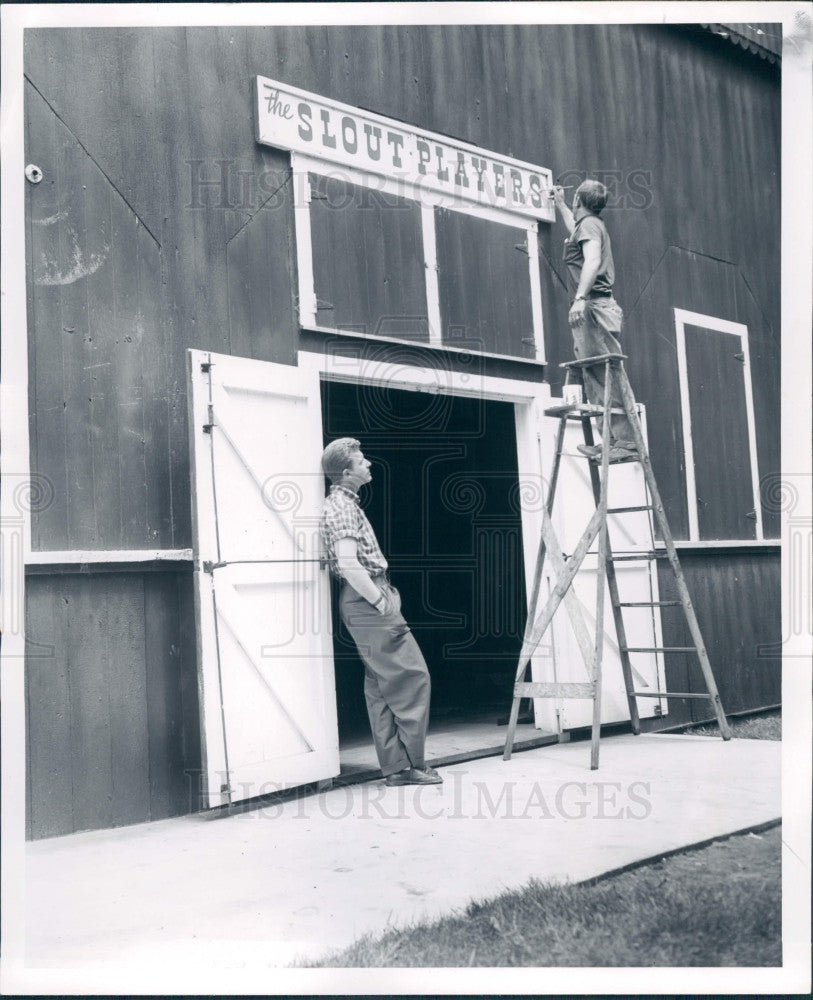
595,317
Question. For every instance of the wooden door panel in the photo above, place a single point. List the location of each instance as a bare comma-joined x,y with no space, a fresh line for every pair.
263,598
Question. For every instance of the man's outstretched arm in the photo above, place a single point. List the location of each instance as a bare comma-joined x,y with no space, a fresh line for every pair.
564,211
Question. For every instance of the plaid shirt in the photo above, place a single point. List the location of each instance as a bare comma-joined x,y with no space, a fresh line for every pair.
342,517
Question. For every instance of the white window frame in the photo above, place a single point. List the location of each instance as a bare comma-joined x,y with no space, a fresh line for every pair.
684,318
428,201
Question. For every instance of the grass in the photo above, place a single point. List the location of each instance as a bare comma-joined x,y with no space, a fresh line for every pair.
716,906
755,727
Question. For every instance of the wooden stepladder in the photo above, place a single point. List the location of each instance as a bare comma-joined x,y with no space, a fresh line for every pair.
592,649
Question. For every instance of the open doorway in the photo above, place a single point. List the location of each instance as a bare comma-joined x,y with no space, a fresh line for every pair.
444,503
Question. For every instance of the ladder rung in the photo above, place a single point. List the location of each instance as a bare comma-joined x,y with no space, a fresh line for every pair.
577,411
534,689
648,604
659,649
668,694
589,362
629,510
637,556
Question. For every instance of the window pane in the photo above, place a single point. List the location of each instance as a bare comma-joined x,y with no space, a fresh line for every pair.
367,260
485,285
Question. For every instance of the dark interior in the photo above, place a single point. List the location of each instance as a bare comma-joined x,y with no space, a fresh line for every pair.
444,505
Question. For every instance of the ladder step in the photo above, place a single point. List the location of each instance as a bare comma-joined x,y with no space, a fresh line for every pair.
577,411
595,360
629,510
649,604
532,689
637,556
659,649
669,694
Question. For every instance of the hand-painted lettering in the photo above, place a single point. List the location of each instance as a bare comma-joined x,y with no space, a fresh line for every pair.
396,141
370,131
305,128
516,188
349,135
460,176
499,180
424,155
443,173
480,168
327,139
275,105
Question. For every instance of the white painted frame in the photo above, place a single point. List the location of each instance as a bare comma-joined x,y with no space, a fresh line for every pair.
529,399
684,318
428,200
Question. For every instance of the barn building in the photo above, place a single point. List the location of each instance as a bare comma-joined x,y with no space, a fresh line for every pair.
244,242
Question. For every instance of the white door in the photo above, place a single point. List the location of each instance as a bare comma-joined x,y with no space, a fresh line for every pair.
637,581
265,653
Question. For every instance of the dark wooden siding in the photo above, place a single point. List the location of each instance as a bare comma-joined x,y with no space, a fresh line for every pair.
368,263
737,597
720,440
162,121
485,285
161,225
112,708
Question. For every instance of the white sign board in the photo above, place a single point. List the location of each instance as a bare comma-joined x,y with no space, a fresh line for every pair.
294,119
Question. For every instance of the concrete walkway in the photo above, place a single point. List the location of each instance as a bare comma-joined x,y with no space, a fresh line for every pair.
298,879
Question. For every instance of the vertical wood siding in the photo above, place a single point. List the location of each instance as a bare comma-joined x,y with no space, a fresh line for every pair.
192,221
112,710
737,597
722,464
161,225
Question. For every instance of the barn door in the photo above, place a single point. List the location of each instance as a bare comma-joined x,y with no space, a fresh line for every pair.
637,581
265,649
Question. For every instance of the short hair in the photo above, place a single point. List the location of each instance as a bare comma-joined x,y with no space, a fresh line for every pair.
593,195
336,457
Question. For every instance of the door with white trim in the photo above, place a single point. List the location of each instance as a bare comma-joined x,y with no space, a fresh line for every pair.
265,653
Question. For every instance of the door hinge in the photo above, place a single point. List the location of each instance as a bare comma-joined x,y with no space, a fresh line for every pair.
657,710
752,514
740,358
523,248
321,304
207,428
206,366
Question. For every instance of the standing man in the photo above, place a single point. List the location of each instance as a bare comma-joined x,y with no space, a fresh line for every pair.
595,317
396,682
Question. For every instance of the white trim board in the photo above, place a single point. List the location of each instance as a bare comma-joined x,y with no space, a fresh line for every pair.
87,556
684,318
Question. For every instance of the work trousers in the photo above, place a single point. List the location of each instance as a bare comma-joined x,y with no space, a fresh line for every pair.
603,319
397,687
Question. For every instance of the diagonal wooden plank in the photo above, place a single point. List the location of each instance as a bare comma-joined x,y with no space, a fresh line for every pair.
222,600
573,605
563,584
224,417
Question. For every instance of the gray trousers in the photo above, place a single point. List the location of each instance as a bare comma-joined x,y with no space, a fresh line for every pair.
598,334
396,681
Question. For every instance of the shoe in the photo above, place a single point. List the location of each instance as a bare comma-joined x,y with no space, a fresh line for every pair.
618,455
590,450
414,776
